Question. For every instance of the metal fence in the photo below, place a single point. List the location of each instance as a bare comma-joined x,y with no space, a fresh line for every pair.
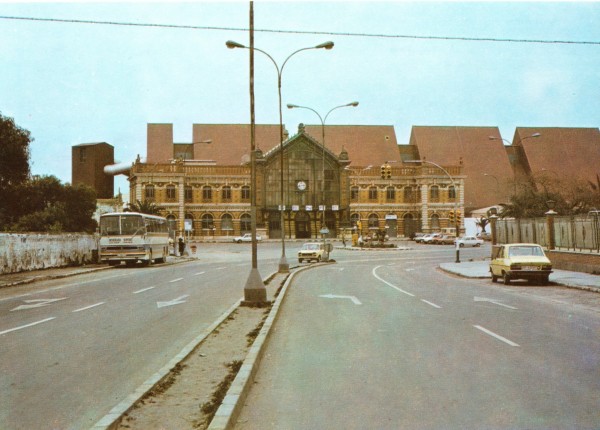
570,233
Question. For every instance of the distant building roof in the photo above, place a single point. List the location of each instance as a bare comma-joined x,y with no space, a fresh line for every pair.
471,146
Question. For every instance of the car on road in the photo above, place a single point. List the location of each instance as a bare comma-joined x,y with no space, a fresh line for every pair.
445,239
247,237
520,261
420,239
429,238
313,251
468,241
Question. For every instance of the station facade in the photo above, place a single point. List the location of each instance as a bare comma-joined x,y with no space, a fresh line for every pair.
204,188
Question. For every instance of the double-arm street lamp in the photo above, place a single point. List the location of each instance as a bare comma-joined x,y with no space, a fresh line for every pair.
283,263
324,230
534,135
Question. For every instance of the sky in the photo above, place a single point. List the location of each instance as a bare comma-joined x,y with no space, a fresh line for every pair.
407,64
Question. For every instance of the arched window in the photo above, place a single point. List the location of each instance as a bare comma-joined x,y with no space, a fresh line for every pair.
373,193
390,194
172,222
408,195
226,223
245,223
149,192
451,192
207,193
226,193
435,221
207,222
188,193
171,192
354,218
434,193
245,192
373,221
354,193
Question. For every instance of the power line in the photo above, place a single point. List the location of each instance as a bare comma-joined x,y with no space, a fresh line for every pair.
327,33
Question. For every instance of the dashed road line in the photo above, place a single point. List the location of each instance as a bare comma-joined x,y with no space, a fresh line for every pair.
175,280
199,273
26,325
142,290
497,336
431,304
89,307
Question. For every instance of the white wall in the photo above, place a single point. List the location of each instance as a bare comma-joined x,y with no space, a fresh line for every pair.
22,252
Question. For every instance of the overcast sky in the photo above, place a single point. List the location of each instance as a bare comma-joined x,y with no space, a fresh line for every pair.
72,83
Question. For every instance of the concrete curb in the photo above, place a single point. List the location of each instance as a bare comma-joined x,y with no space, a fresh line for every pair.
111,420
226,416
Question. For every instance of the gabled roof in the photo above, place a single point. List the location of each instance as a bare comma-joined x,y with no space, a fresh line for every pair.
472,145
564,152
365,144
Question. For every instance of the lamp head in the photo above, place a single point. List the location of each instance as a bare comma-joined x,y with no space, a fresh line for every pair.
292,106
231,44
353,104
326,45
536,135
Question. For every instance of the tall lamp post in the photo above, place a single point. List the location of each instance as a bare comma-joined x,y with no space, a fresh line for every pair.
284,267
456,219
324,229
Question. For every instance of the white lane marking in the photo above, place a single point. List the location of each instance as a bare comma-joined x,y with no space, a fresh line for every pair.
483,299
37,303
199,273
497,336
175,280
142,290
431,304
89,307
332,296
178,301
391,285
26,325
220,268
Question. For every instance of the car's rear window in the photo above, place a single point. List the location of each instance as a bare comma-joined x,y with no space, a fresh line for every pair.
516,251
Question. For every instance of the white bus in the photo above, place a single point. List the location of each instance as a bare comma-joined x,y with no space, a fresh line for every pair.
131,237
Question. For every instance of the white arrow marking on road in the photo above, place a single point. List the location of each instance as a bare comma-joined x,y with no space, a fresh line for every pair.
483,299
179,300
36,303
332,296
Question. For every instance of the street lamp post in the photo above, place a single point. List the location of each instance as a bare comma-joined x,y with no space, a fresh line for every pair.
456,221
533,136
324,229
283,263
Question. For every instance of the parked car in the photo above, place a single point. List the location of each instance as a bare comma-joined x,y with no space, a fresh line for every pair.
417,236
313,251
247,237
468,241
445,239
429,238
420,239
520,261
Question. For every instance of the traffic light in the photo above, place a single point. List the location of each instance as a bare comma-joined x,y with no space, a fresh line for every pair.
451,216
386,171
458,215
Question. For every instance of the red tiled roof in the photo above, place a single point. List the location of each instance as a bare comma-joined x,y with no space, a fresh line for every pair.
448,145
366,145
563,152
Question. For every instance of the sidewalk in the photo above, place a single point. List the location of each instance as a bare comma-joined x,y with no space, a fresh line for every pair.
480,269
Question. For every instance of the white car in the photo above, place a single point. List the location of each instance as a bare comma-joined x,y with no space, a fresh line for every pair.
247,237
468,241
429,239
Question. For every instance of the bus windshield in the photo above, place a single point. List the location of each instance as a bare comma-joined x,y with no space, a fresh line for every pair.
121,225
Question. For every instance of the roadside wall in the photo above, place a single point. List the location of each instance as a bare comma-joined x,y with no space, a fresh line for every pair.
575,261
23,252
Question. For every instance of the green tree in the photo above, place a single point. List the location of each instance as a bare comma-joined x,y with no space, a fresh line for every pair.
14,163
145,207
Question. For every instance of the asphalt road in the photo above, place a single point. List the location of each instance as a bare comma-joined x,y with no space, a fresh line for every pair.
390,342
71,349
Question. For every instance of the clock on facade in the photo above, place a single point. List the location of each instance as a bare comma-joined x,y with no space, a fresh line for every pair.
301,185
